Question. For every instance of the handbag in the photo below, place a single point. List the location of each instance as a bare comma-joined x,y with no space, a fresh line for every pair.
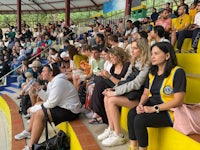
186,119
134,94
58,142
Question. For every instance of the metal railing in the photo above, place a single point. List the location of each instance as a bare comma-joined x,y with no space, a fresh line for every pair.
43,51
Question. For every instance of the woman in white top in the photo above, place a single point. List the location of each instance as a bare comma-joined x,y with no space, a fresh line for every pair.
157,35
127,93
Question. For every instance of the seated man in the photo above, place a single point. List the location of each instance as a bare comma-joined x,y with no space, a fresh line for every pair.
182,23
193,32
61,105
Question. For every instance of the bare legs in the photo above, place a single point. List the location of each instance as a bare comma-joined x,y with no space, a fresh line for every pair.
36,126
135,145
112,105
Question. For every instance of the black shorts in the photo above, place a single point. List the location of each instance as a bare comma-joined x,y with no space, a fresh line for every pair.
60,115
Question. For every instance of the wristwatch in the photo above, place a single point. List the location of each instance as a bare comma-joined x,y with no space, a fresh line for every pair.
156,108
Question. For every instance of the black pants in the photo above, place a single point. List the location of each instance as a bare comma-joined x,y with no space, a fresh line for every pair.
138,123
195,35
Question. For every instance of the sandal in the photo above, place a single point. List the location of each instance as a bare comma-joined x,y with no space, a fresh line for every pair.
95,121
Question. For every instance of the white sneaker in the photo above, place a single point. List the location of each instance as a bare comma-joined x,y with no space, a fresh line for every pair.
23,135
28,121
26,148
27,116
114,140
107,132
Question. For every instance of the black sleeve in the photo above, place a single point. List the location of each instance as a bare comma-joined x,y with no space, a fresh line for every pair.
147,82
179,81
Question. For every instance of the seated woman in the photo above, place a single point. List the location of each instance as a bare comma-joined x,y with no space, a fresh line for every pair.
76,57
157,35
164,89
120,60
61,105
127,93
53,56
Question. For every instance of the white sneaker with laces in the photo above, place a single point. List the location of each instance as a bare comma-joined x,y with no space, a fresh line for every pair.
27,116
28,121
107,132
114,140
23,135
26,148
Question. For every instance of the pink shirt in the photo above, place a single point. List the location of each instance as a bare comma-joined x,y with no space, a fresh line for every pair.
166,23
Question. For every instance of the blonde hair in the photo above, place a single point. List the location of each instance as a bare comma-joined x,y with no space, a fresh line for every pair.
145,57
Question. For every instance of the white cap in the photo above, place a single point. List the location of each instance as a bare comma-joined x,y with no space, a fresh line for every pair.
77,44
64,54
35,63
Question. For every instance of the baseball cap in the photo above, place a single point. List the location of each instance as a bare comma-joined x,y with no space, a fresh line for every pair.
35,63
64,54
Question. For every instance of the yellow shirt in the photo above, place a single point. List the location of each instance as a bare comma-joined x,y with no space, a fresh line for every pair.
192,14
182,22
77,59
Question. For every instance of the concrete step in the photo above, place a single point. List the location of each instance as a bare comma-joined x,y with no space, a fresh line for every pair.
97,129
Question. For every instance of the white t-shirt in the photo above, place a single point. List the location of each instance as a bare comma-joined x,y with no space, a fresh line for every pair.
161,40
197,19
107,65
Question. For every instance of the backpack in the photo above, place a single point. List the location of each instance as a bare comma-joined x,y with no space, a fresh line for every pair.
24,104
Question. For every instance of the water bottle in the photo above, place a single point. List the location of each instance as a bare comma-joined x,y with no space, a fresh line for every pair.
29,85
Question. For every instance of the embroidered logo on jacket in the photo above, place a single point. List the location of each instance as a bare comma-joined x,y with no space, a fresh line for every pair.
168,90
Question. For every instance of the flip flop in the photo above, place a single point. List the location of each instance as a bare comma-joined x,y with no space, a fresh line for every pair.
95,121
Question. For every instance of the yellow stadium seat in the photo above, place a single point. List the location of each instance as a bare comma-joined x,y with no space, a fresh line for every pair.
168,138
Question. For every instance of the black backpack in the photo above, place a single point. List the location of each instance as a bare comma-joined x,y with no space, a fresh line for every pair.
82,93
24,104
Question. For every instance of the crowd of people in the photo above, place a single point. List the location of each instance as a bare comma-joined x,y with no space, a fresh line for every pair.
132,65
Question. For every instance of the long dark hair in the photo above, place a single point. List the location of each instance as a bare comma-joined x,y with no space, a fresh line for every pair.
72,51
54,68
171,62
160,30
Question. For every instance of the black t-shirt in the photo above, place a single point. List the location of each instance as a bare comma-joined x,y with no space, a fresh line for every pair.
122,73
179,84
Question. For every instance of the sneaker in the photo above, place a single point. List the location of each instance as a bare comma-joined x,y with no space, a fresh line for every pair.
27,116
28,121
177,51
27,148
192,50
107,132
19,97
114,140
23,135
131,147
